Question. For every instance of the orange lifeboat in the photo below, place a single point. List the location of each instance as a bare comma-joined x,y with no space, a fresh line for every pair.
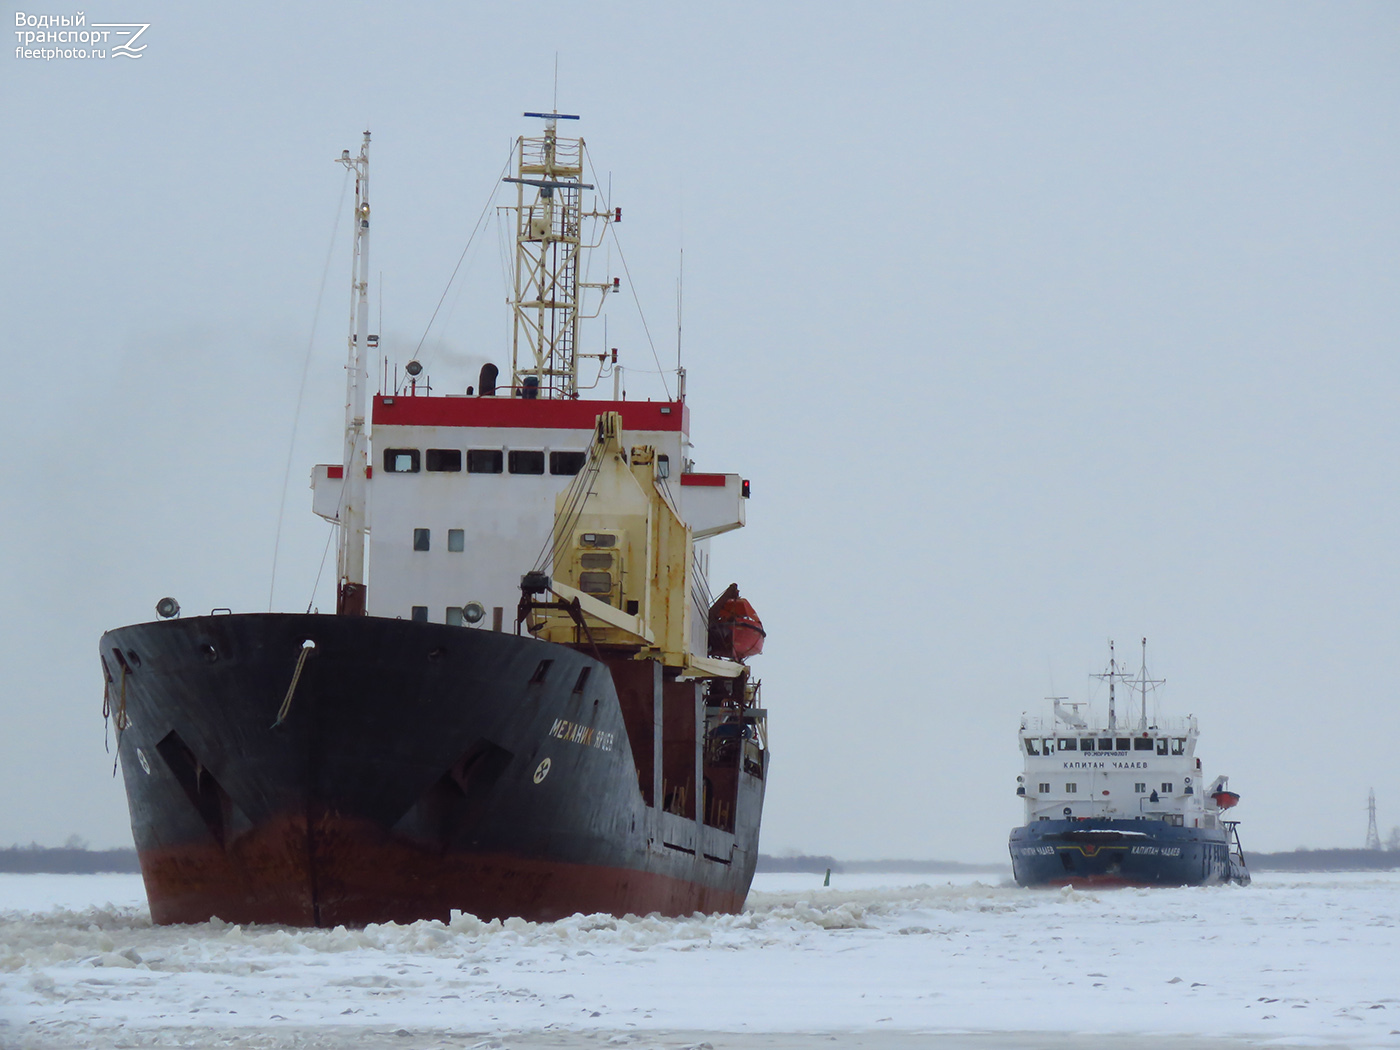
736,632
1226,799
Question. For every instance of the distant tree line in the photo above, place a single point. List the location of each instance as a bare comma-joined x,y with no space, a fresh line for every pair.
818,865
1326,860
72,858
1296,860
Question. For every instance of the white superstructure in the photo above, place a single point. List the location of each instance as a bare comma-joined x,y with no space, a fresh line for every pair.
1079,767
460,496
463,493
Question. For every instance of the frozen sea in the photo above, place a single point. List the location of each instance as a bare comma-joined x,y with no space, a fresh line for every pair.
882,962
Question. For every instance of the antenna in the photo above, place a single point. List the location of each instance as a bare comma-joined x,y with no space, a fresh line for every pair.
1143,683
1373,836
550,237
350,599
1112,675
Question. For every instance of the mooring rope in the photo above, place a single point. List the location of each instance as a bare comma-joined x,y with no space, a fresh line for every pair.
286,707
120,720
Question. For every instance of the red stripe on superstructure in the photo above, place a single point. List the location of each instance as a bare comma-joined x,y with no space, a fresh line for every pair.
335,472
514,412
703,479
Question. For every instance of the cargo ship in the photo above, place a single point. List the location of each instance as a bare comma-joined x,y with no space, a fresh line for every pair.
527,702
1121,803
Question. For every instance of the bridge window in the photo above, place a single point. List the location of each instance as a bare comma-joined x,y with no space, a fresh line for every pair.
401,460
1162,746
1124,743
456,540
422,539
1106,745
526,461
1178,745
1032,747
1142,743
484,460
568,463
445,459
595,582
1087,744
1068,743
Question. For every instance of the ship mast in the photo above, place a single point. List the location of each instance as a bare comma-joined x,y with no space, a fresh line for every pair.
1143,684
548,243
1112,675
350,559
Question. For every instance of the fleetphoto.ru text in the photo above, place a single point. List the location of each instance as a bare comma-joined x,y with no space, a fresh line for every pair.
50,37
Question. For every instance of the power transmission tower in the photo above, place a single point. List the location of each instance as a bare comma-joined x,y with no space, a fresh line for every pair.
1373,837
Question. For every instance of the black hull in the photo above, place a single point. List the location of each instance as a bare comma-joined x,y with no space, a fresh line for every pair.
420,768
1121,853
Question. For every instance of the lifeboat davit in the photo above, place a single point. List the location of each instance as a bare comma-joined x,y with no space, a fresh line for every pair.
736,632
1226,799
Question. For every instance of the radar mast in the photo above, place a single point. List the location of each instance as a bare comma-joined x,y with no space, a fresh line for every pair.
548,250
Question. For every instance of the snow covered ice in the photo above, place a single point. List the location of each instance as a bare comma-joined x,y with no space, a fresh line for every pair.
872,961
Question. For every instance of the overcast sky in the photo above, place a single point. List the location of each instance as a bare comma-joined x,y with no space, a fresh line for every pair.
1033,324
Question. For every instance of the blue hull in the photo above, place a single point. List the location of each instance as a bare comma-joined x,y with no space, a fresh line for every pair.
1121,853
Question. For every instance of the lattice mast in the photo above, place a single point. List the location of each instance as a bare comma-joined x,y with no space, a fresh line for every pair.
549,248
1373,835
350,554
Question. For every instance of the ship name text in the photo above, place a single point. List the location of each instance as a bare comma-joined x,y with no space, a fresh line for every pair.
1158,851
562,729
1101,765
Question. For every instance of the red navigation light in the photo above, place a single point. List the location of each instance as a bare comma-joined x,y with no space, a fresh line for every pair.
617,215
614,360
617,284
746,488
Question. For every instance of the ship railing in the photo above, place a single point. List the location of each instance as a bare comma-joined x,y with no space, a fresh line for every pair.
1125,727
1232,839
